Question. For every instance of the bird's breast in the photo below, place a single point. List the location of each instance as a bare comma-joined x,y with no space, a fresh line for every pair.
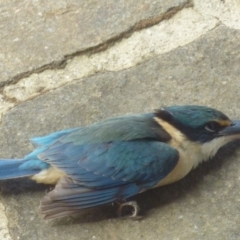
182,168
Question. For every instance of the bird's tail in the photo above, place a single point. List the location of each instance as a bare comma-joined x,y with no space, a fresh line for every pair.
14,168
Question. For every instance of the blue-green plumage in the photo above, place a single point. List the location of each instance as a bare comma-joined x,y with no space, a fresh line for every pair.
93,165
117,158
121,156
192,120
194,116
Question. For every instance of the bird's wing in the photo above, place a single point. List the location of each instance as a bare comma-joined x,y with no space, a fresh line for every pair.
43,142
113,144
131,127
139,126
47,140
100,173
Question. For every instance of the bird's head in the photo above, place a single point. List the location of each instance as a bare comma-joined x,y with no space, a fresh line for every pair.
207,126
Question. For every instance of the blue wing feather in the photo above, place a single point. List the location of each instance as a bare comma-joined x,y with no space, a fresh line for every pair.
42,143
105,172
126,161
51,138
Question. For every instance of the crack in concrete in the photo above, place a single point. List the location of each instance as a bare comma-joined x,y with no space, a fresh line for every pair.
166,16
219,22
226,12
53,65
119,55
61,64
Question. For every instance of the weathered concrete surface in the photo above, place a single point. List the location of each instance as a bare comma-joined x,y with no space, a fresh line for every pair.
198,65
226,12
140,47
205,205
36,35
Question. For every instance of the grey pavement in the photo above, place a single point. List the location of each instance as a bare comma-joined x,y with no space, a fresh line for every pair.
73,63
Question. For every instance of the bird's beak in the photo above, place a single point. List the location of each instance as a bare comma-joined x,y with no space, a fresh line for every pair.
232,130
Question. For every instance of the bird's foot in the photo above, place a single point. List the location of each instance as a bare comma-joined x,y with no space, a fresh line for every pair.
125,207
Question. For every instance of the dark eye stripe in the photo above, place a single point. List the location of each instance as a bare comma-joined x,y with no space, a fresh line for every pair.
214,126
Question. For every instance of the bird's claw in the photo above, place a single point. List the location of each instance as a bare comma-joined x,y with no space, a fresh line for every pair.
134,206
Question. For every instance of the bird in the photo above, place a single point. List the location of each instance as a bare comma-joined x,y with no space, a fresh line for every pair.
117,158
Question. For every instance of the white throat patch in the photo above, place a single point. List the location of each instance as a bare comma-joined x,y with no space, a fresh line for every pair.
209,149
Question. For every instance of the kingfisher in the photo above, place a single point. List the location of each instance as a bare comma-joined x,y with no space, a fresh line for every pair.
115,159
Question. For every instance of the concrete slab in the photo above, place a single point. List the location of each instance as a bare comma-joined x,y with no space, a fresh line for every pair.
38,35
204,205
128,52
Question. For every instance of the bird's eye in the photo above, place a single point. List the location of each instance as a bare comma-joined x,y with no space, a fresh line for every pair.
212,127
